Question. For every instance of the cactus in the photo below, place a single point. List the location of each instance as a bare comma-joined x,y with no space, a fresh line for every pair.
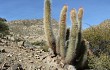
67,38
80,15
62,31
83,55
78,38
67,34
58,45
76,50
48,27
72,42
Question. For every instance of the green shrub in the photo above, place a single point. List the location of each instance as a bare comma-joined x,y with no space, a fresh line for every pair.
38,43
4,29
99,63
2,19
99,36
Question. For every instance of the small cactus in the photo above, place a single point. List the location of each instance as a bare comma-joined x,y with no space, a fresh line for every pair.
48,27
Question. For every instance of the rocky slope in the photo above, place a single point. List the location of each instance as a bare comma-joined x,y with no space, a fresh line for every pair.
17,53
31,30
15,56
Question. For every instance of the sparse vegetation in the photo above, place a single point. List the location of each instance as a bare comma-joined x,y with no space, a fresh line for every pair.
101,62
100,44
74,52
42,43
4,29
29,41
99,36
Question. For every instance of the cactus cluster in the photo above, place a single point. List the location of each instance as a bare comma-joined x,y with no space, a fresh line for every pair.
70,46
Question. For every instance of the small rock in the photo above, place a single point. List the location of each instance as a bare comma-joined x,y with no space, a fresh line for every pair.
27,44
5,66
9,55
20,43
2,51
69,67
51,52
17,67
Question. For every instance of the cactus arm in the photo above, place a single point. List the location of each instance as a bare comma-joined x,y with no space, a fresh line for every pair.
62,30
48,27
72,43
80,15
79,36
83,57
58,45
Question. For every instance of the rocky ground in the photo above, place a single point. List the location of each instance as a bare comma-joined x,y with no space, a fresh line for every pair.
16,56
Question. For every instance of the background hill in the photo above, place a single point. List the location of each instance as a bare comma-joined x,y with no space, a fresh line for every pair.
31,30
99,38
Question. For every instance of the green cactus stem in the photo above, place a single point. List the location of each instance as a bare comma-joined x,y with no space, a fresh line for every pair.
83,57
48,27
62,30
58,45
72,42
79,36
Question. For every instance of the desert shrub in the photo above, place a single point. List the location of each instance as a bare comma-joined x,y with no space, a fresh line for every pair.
4,29
2,19
39,43
99,36
99,63
42,45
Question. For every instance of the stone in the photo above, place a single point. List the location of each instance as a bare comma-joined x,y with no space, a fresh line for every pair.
2,51
27,44
20,43
69,67
17,67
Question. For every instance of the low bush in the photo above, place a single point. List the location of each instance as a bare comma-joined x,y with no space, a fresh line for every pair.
99,63
4,29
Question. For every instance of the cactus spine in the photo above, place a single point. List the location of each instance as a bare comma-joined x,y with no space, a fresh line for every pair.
48,27
62,31
72,43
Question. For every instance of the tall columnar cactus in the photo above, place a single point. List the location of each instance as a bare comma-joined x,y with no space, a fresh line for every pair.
76,49
80,15
78,38
62,31
48,27
72,42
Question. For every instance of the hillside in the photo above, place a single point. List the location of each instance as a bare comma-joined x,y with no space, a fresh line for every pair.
31,30
99,35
